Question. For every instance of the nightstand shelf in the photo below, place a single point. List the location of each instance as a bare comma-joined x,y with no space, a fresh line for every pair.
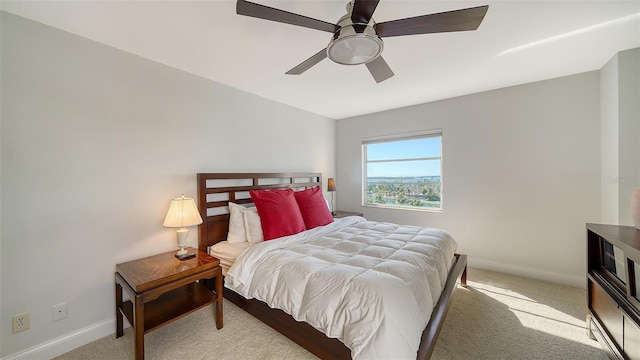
171,306
340,214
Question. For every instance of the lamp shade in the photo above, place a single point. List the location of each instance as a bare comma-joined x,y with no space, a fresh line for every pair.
331,185
182,212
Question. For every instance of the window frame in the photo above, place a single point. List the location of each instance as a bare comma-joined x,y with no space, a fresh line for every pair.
402,137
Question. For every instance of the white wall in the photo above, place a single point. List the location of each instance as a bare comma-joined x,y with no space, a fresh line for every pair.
629,130
609,130
620,123
521,173
95,143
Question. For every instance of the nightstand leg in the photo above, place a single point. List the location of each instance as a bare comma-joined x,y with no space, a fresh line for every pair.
219,301
139,327
119,324
463,278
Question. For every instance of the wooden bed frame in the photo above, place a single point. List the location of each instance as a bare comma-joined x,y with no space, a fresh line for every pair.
216,190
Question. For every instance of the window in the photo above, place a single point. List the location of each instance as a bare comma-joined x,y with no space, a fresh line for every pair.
403,171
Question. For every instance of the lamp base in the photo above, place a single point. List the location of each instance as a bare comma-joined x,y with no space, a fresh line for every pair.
186,256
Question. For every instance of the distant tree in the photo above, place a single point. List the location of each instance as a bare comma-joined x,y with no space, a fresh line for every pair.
401,197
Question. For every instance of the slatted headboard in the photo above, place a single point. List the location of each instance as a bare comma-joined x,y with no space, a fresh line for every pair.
216,190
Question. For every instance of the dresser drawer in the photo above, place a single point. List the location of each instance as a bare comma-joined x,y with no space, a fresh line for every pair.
631,339
606,310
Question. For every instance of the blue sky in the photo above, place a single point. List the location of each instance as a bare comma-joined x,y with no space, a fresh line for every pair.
407,149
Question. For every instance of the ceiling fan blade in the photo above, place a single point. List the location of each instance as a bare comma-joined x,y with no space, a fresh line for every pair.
379,69
363,11
456,20
305,65
268,13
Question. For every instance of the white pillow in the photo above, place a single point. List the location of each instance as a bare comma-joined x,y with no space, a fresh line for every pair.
253,226
237,232
228,252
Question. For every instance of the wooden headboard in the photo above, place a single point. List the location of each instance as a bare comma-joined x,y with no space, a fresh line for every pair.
216,190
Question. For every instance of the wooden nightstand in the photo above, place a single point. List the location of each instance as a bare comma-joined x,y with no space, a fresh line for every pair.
341,214
162,289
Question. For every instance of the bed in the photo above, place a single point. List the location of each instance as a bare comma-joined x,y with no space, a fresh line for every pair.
217,190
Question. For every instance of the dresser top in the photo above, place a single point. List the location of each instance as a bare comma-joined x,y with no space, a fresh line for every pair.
627,235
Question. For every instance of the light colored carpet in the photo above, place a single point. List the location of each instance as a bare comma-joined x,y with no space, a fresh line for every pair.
497,316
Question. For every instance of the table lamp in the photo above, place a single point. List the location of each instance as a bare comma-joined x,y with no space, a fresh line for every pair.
182,213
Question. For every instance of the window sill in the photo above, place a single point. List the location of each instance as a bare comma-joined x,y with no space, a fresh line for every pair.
408,208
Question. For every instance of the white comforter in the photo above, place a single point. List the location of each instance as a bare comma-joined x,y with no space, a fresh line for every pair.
372,285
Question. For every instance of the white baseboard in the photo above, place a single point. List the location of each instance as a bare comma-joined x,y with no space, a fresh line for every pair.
66,343
553,277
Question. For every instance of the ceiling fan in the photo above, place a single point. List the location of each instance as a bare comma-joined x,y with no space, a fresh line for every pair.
357,38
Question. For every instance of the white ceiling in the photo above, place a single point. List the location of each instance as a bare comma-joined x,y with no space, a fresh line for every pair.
518,42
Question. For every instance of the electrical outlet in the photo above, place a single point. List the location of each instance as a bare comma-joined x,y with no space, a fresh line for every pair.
59,311
20,322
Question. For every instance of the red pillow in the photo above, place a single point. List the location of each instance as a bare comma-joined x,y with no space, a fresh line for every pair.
279,212
313,207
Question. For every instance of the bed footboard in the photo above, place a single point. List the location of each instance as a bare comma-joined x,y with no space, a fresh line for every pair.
301,333
326,348
431,332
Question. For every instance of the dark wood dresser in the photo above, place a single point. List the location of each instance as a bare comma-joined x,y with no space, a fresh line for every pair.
613,289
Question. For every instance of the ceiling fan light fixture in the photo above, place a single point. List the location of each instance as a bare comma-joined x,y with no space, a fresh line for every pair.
348,47
357,38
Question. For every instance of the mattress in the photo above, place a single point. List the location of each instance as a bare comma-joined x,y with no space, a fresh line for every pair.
372,285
